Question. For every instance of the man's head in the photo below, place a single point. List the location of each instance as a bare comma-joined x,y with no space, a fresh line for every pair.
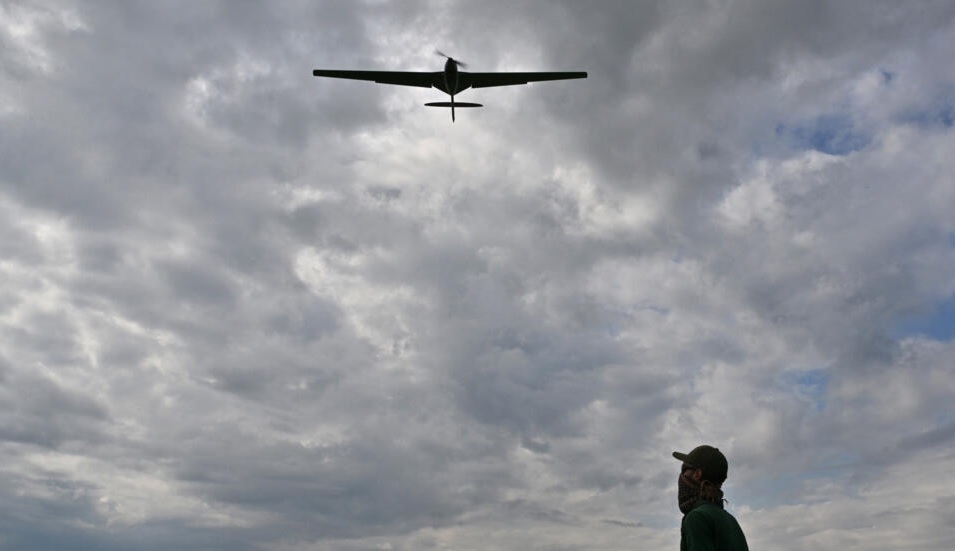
709,461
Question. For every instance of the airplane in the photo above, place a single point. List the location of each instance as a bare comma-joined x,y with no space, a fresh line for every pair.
450,81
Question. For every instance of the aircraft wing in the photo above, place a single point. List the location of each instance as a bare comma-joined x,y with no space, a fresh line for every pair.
402,78
486,80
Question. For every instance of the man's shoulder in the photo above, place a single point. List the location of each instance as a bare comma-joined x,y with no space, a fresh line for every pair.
709,511
712,523
706,508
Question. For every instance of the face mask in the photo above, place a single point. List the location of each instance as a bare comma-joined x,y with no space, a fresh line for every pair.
688,492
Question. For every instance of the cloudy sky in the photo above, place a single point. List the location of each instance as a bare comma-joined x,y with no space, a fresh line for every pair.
246,308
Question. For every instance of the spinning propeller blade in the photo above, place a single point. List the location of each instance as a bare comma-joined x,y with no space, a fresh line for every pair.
455,61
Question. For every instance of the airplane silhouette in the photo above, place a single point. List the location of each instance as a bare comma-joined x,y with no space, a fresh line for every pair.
450,81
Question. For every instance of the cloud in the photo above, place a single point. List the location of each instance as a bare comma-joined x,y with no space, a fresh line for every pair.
247,308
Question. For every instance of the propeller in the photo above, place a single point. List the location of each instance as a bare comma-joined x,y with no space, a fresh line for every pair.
455,61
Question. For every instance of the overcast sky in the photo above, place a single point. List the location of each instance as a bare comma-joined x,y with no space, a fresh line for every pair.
246,308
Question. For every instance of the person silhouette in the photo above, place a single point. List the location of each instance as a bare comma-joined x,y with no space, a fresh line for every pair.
706,526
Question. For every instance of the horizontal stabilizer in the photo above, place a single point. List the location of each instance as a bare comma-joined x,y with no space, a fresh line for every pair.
455,104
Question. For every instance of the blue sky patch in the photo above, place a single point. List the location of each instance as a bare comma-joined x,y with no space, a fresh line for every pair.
826,466
937,324
939,115
834,134
810,386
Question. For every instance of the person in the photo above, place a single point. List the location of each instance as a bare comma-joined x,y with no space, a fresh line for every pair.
706,526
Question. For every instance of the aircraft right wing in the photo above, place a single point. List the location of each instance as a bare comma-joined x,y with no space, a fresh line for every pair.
402,78
486,80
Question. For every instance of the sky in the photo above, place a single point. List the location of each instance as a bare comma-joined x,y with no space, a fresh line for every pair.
246,308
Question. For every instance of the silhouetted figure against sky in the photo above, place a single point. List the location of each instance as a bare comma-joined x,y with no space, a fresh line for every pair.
451,81
706,524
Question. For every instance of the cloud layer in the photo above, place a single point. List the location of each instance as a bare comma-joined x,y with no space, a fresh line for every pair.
244,308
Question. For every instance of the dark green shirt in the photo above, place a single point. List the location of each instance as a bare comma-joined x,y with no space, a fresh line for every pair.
708,527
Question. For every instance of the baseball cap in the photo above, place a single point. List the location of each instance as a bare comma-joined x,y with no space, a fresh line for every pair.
708,458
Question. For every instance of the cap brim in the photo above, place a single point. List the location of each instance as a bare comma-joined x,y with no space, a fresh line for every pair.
681,456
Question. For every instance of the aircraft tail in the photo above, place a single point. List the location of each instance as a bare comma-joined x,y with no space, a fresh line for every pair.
452,105
455,104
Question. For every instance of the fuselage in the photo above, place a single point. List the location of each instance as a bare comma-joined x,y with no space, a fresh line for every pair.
452,82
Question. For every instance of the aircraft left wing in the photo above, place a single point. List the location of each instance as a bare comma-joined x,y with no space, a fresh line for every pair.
486,80
402,78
